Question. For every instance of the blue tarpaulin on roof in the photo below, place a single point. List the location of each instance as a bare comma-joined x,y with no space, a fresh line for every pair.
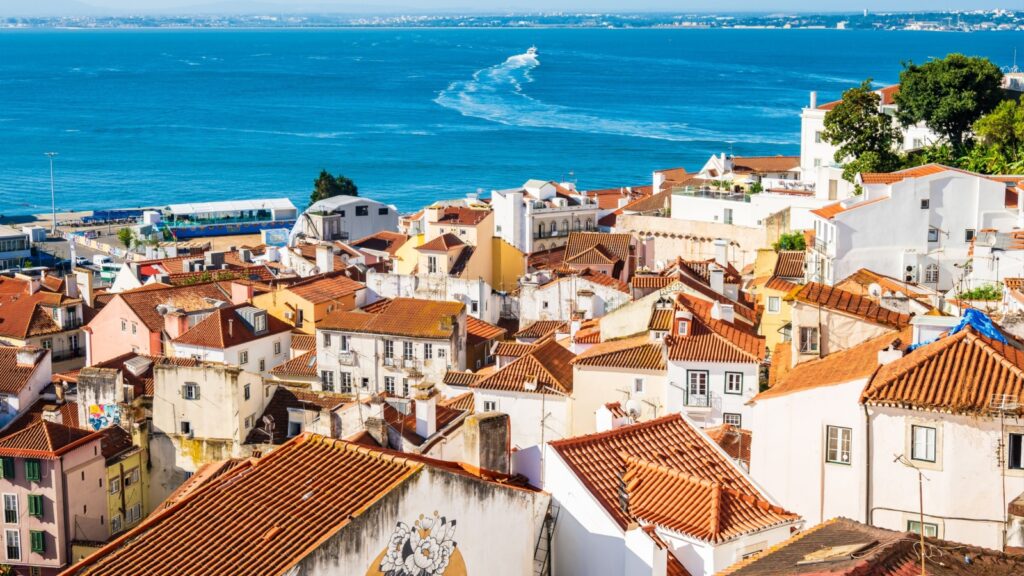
975,319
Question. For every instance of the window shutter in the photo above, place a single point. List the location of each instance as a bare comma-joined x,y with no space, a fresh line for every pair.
8,468
35,505
32,471
38,541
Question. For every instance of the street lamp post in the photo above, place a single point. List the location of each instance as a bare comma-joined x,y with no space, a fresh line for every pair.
53,197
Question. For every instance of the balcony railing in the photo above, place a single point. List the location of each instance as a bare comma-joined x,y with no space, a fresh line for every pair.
61,355
711,193
698,400
347,358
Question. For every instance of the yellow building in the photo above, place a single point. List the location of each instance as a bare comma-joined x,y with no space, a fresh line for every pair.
127,482
776,274
305,303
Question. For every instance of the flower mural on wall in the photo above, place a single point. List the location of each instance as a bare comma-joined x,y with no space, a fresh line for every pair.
426,548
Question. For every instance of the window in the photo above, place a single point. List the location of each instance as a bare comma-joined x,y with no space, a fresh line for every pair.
186,427
135,327
405,387
968,234
697,388
247,391
33,470
362,210
683,327
774,304
346,383
817,137
13,539
38,540
249,421
294,428
924,204
441,352
1015,459
344,343
366,383
837,448
923,443
134,513
327,339
389,384
638,385
428,351
382,211
263,364
431,264
389,350
11,508
808,340
115,524
930,530
124,325
277,348
474,307
933,234
733,419
407,350
131,477
7,468
115,485
734,383
327,380
35,505
544,305
490,406
47,344
931,274
190,391
243,357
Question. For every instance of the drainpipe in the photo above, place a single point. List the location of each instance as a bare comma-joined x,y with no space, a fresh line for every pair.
867,467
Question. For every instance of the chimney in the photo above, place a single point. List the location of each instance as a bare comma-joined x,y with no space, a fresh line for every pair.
51,413
722,252
378,429
175,323
28,356
71,285
425,398
723,312
716,278
889,354
325,258
231,327
485,441
241,293
245,255
814,100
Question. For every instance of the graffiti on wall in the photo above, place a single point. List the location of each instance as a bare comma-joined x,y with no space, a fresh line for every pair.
103,415
427,548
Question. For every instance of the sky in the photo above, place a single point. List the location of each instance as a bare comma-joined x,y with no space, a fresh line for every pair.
476,6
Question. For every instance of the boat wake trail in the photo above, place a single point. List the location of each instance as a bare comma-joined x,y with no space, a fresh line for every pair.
497,94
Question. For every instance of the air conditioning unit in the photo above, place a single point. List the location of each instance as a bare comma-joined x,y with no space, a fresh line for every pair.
910,273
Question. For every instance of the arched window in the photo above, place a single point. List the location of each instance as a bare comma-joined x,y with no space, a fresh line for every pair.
590,224
565,227
540,230
576,225
554,228
931,274
539,248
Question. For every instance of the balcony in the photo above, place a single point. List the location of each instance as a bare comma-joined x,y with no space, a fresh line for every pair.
347,358
61,355
711,194
699,401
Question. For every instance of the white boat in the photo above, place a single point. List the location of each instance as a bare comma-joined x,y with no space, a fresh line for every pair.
531,51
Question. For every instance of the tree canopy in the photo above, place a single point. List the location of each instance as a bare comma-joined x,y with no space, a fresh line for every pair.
1000,136
327,185
126,236
865,138
949,95
791,241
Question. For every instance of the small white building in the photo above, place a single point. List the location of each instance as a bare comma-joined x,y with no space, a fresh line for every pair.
539,215
654,499
480,299
238,335
917,225
344,218
391,347
584,295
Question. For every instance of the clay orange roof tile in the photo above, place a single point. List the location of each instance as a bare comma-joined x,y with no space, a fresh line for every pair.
846,302
546,369
409,317
637,353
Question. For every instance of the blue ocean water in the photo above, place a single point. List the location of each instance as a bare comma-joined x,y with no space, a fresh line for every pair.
158,116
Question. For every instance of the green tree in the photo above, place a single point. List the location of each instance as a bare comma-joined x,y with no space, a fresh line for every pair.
126,236
1000,135
949,95
791,241
865,138
327,185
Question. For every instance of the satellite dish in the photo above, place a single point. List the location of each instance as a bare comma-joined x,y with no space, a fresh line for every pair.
633,408
874,290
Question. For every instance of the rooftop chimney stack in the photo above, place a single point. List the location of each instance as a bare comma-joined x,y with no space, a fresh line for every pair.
241,293
27,356
175,323
486,441
716,278
723,312
71,285
325,258
425,398
722,252
814,100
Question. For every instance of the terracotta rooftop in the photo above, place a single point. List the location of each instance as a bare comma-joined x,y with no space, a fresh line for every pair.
613,245
960,374
592,276
141,382
839,300
383,241
841,547
920,172
442,243
830,211
405,424
661,319
143,301
702,270
68,415
13,376
790,264
513,349
696,506
462,215
115,442
24,315
325,287
742,309
887,94
408,317
776,283
459,378
546,259
856,363
226,327
862,279
711,340
45,440
593,256
304,364
637,353
462,402
303,342
762,164
542,328
285,398
480,330
735,441
599,460
547,367
651,281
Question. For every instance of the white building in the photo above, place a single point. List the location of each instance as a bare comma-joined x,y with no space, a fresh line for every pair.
654,499
26,371
917,225
15,248
478,296
391,347
587,295
238,335
344,218
539,215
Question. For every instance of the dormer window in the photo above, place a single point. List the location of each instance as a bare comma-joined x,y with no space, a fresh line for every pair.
260,322
682,327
